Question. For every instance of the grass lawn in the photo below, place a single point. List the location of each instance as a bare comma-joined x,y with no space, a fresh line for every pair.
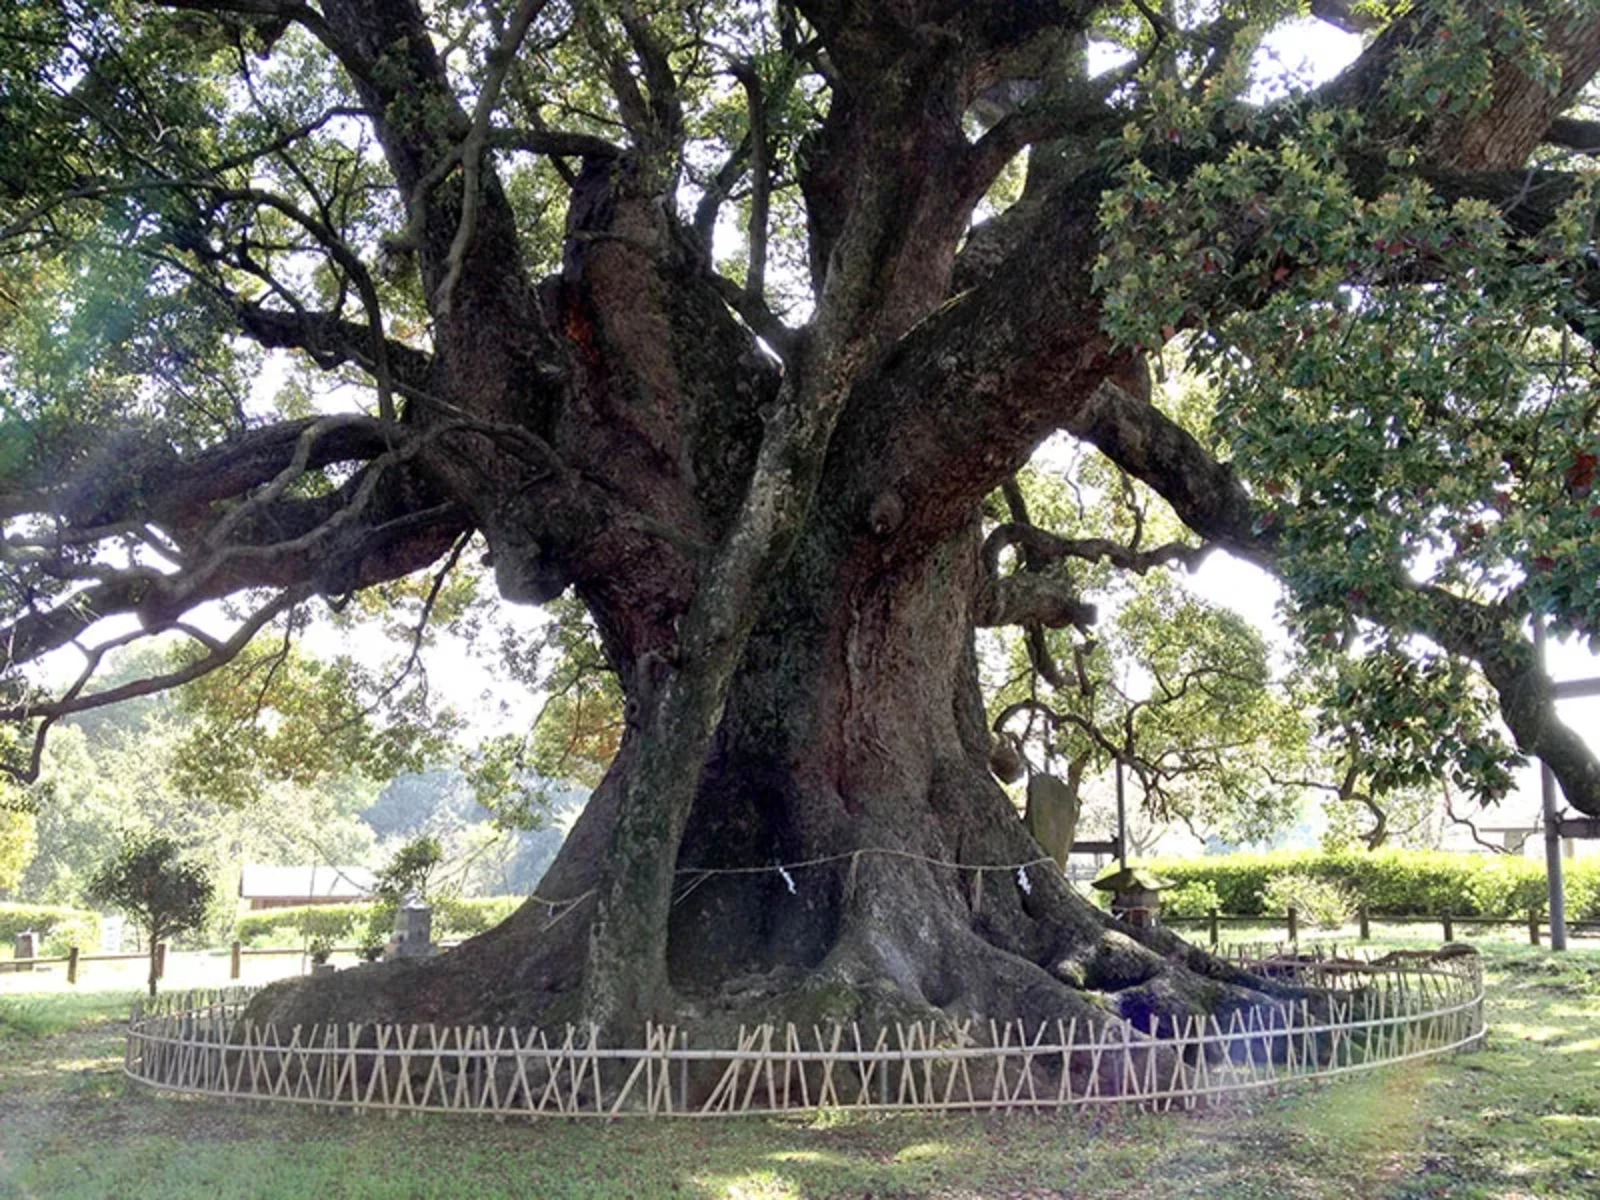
1520,1119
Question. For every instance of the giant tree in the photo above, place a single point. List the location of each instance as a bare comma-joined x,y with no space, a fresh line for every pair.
728,317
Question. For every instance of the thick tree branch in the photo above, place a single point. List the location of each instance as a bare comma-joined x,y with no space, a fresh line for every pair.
475,144
760,178
553,143
1342,14
1574,134
1031,598
354,269
358,64
717,190
1042,546
220,653
494,321
151,482
381,523
332,340
329,555
753,310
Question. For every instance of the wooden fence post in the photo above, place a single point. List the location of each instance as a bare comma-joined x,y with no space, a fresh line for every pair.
1294,924
1366,926
72,964
1216,935
1533,926
233,967
1449,925
161,960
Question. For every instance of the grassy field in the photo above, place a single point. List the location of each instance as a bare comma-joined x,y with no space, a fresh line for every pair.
1520,1119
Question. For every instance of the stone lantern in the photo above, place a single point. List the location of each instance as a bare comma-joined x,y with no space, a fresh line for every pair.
413,931
1135,895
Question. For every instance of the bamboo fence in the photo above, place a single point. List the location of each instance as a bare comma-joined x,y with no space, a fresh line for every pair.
1363,1016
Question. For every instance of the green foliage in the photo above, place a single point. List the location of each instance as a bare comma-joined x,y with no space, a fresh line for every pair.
574,737
84,798
1390,433
1322,902
60,927
18,840
1394,882
1410,721
163,893
112,769
291,717
1196,898
456,916
578,730
1182,686
292,926
410,872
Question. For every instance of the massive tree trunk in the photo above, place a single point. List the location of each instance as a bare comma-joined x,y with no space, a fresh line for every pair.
832,867
800,821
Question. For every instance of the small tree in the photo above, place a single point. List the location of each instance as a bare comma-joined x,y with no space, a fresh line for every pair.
162,893
409,873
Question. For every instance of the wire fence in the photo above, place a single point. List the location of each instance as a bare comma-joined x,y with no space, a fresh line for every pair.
1362,1016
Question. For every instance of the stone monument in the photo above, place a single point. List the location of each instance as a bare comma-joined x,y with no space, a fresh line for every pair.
413,931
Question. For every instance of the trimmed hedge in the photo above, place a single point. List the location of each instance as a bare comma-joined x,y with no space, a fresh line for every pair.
454,917
60,927
295,925
344,924
1422,883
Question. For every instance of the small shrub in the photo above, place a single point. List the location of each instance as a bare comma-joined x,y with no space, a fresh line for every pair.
60,928
1194,899
1325,904
82,931
1583,893
371,946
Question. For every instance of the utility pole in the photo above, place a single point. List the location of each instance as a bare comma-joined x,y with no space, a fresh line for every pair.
1122,820
1552,823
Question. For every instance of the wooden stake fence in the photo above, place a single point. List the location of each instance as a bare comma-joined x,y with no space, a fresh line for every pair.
1369,1016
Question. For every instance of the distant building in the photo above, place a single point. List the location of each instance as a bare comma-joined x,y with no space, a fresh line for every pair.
283,887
